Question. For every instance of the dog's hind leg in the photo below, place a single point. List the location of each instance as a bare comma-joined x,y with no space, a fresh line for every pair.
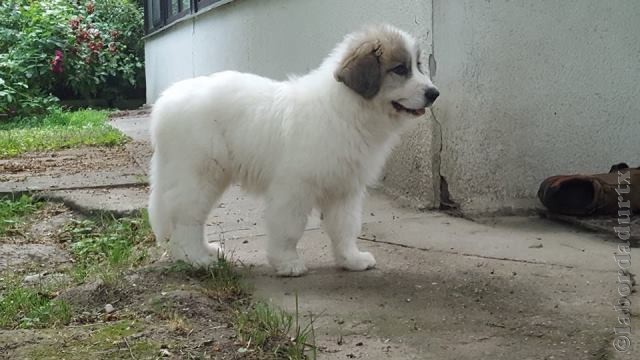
159,216
286,217
342,219
190,200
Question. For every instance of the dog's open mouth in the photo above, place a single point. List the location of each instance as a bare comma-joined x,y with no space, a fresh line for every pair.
399,107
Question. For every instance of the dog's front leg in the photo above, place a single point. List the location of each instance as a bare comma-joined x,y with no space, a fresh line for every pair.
286,218
342,219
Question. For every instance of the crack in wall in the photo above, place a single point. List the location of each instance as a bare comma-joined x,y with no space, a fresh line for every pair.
441,192
193,48
440,185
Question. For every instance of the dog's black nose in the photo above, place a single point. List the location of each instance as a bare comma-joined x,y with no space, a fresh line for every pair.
431,94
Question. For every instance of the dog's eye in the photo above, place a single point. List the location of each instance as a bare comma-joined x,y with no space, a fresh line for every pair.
401,70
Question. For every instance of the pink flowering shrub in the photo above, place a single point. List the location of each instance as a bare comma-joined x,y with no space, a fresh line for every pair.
56,63
67,49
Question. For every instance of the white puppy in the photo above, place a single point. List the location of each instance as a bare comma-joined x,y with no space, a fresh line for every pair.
314,141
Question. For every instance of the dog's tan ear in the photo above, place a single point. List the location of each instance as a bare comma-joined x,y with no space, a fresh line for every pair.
361,70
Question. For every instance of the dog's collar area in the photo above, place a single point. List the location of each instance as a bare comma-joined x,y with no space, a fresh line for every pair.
399,107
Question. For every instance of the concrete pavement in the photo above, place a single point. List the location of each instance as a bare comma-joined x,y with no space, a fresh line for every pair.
444,287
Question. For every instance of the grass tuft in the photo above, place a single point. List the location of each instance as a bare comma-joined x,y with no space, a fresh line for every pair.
24,307
106,246
13,211
221,279
57,130
224,281
178,324
272,331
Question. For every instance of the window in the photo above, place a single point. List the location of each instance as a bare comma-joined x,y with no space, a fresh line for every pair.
160,13
178,9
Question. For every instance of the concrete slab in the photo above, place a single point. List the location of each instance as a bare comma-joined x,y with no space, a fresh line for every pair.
518,239
125,177
12,255
72,168
135,124
601,224
120,201
87,179
445,287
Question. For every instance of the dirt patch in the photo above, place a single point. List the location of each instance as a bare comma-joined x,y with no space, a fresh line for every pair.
152,312
34,243
70,161
42,227
142,152
165,313
158,310
12,255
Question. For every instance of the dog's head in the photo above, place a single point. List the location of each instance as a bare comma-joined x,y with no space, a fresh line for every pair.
382,64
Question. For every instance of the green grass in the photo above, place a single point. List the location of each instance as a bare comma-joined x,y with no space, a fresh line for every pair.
261,328
221,280
25,307
105,246
13,211
99,341
274,332
57,130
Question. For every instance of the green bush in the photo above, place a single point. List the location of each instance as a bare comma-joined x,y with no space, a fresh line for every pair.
67,48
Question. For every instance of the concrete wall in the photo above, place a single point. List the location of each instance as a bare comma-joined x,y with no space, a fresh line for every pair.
278,37
529,88
532,89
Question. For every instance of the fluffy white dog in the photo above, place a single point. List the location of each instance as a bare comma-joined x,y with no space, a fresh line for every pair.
314,141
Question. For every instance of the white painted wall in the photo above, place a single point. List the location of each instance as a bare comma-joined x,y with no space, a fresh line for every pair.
529,88
275,38
270,37
533,89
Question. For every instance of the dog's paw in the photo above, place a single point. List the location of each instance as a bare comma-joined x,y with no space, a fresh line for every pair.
202,260
359,262
291,268
215,250
210,256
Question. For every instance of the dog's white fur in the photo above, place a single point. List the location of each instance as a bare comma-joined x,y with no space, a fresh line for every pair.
309,142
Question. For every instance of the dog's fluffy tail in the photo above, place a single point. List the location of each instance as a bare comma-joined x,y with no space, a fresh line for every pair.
159,216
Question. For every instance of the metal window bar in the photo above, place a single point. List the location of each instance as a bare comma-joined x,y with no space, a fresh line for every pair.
182,12
163,8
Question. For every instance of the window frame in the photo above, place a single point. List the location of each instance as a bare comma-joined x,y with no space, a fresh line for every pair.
201,4
166,18
181,12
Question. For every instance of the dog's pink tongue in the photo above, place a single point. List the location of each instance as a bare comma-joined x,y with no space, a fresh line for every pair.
419,111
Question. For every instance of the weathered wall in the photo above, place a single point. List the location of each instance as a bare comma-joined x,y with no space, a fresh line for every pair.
529,88
532,89
278,37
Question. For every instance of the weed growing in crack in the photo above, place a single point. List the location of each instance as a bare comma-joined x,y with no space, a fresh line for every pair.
14,210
